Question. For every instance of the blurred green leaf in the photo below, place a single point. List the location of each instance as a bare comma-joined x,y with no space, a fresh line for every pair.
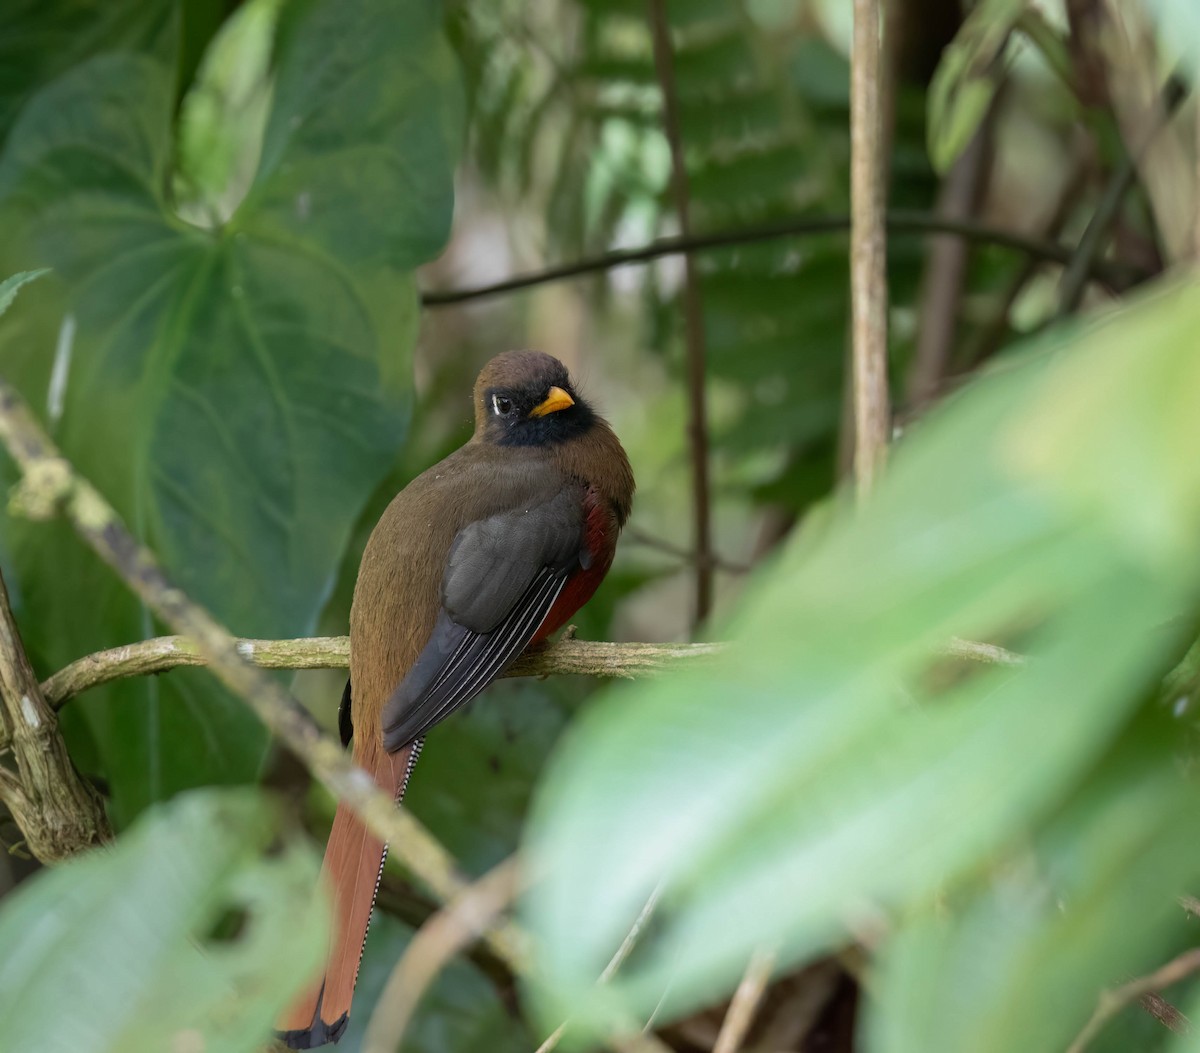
42,39
1020,961
237,393
965,81
222,118
835,763
11,286
195,924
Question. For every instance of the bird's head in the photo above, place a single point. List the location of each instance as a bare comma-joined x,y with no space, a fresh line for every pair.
526,398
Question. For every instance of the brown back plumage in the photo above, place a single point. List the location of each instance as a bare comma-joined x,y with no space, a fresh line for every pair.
516,462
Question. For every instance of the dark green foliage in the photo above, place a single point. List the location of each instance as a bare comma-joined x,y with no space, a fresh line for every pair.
236,392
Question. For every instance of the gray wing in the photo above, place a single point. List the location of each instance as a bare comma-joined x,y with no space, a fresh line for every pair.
502,577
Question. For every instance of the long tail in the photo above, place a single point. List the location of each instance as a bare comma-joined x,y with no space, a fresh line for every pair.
353,866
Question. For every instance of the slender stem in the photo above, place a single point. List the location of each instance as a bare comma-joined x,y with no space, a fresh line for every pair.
945,272
614,963
1112,1002
1094,238
1196,184
640,537
898,222
451,930
868,247
664,64
745,1002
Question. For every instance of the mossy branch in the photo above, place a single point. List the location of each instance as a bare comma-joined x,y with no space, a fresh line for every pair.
567,657
58,812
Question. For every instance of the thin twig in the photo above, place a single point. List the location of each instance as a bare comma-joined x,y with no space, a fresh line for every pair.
50,484
745,1002
640,537
697,427
1109,273
868,247
944,275
569,656
1112,1002
989,340
1092,242
633,935
401,898
614,963
1196,184
457,925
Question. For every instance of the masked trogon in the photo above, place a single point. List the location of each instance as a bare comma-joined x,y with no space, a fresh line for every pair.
487,552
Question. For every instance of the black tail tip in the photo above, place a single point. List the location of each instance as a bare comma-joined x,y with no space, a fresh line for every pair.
320,1034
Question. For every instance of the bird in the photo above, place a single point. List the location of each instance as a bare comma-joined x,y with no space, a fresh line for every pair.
479,557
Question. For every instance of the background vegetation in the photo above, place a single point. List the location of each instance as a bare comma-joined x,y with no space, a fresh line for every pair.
895,839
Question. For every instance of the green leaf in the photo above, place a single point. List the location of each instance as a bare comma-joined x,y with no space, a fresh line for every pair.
11,286
42,39
1023,957
222,118
194,922
237,393
835,762
965,83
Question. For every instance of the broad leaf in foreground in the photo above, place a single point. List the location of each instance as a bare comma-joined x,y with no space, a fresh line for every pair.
195,928
1019,960
835,763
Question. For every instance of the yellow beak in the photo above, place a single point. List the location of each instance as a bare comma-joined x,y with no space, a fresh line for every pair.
555,401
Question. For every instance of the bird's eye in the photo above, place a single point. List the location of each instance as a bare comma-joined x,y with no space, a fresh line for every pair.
503,406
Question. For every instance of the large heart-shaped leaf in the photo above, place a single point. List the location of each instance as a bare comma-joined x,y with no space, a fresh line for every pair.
836,762
42,39
193,931
236,392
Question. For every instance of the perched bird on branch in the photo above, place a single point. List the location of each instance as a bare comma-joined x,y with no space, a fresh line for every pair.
487,552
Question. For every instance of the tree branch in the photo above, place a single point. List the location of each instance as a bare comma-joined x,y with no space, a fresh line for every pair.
567,657
1091,243
868,248
1112,1002
697,428
49,484
58,812
1109,273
